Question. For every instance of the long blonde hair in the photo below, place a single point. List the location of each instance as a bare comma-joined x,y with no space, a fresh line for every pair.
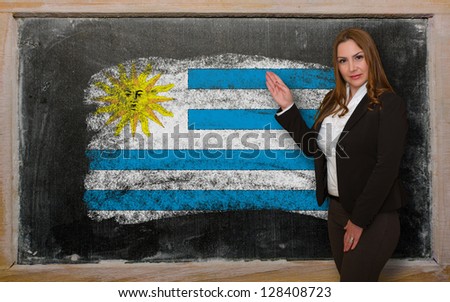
378,83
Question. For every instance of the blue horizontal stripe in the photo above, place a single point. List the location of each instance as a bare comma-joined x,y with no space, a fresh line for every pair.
199,200
239,119
256,78
198,160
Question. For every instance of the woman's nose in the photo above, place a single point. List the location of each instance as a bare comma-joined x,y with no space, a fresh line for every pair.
351,66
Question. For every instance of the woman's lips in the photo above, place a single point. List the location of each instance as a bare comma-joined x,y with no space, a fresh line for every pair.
355,77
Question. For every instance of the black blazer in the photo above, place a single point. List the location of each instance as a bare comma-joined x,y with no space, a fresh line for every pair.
368,156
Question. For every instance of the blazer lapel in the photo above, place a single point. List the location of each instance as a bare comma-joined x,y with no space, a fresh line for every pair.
359,112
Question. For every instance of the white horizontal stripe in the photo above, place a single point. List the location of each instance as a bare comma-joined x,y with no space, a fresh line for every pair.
230,98
245,98
200,180
176,71
133,217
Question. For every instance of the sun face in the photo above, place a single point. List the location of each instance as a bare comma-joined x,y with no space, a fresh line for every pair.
133,99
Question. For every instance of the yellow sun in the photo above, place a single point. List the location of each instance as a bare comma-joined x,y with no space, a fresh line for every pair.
133,99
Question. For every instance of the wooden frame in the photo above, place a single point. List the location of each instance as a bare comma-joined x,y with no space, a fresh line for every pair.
438,13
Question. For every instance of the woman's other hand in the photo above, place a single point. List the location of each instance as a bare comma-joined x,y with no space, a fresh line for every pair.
351,236
279,91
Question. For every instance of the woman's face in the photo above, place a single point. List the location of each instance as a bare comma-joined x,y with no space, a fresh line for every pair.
352,65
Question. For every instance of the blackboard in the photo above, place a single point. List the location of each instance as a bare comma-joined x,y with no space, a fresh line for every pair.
62,59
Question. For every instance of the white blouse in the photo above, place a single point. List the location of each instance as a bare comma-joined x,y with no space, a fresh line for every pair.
328,137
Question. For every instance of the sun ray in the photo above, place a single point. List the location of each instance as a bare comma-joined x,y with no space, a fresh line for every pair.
159,99
144,124
133,123
106,109
161,110
133,76
107,99
152,82
112,79
162,88
114,117
104,87
151,115
122,74
143,76
123,122
132,99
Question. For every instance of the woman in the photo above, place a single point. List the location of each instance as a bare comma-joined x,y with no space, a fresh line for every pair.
357,142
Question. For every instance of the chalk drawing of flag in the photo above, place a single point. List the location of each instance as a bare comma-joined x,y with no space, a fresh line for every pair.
222,150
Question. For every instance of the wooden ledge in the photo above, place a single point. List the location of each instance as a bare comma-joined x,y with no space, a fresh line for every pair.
212,271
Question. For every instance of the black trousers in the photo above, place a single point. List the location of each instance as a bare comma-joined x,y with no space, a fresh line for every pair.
375,247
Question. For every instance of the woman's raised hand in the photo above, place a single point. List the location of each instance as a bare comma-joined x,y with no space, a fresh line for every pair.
279,91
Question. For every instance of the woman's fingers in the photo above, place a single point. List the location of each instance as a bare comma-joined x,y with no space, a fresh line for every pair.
280,92
277,80
271,85
352,235
270,76
350,242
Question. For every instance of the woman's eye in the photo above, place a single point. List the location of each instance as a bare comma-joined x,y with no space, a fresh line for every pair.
359,57
341,61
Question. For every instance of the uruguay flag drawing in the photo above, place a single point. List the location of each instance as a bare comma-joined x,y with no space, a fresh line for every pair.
179,137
